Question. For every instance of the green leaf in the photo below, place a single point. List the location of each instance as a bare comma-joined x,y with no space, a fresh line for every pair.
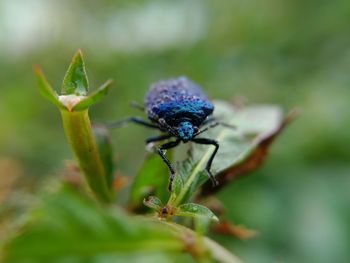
196,211
45,88
153,202
252,160
182,171
70,228
253,124
104,146
75,81
94,97
152,179
202,216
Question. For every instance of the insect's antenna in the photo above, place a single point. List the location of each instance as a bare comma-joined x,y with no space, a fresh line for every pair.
213,119
216,124
207,128
227,125
136,105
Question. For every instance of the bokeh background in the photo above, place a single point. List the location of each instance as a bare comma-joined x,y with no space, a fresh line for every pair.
291,53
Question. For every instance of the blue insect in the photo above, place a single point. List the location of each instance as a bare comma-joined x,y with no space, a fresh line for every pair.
181,110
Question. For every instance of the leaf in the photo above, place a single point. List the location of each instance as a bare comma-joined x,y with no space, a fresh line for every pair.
69,227
104,146
254,159
182,172
153,202
253,125
45,88
202,216
94,97
152,179
75,81
195,210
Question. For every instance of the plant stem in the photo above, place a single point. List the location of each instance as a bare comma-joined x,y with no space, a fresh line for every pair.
220,253
79,133
207,247
177,200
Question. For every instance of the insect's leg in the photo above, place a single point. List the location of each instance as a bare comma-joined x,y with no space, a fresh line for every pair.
167,162
208,166
158,138
136,105
136,120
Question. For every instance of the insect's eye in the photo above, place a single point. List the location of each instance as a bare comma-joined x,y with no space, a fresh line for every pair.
195,129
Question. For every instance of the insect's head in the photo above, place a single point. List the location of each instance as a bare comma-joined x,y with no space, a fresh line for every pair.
186,131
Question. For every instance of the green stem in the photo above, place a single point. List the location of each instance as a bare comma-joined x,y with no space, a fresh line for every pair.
79,133
177,200
220,253
203,249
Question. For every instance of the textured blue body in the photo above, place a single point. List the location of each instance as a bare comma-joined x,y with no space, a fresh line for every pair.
179,102
180,109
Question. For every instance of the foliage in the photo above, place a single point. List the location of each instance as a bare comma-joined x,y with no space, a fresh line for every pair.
277,52
68,225
74,104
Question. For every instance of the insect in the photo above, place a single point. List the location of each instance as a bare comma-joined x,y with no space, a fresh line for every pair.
181,110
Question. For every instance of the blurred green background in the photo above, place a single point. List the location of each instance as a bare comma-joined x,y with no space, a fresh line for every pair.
291,53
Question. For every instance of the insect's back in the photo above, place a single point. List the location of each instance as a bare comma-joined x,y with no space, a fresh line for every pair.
176,99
